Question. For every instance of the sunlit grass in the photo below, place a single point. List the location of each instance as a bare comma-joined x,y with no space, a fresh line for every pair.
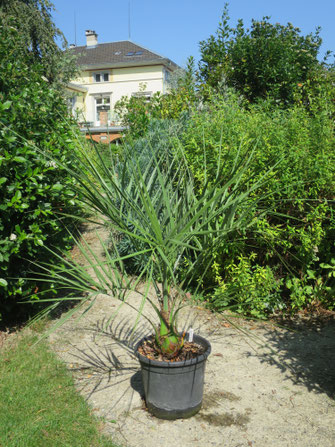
39,406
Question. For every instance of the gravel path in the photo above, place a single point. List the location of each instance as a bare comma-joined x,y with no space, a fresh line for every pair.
264,386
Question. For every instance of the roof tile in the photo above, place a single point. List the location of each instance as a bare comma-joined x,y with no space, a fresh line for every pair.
125,52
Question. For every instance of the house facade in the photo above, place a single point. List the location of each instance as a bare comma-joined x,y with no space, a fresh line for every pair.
109,71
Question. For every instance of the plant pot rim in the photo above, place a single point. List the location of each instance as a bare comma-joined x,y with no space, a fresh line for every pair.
165,364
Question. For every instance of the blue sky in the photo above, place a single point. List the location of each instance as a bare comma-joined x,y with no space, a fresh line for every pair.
174,28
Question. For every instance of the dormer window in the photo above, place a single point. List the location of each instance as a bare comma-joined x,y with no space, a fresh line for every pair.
101,77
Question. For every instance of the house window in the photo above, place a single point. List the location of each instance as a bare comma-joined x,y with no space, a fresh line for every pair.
101,77
72,103
167,76
102,103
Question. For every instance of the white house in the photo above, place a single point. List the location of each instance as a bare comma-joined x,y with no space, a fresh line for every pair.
109,71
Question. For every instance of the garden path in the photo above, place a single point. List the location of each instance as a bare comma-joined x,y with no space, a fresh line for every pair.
264,385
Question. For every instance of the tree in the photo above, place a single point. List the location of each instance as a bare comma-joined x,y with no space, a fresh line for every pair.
267,60
39,36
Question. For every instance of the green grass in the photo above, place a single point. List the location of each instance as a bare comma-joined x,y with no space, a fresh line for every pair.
39,406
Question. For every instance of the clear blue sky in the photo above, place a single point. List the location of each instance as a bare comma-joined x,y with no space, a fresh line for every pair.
174,28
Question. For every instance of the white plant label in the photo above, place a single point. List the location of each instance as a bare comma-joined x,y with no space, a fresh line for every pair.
190,335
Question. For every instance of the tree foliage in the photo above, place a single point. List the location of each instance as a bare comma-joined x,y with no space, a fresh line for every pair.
40,38
33,191
267,60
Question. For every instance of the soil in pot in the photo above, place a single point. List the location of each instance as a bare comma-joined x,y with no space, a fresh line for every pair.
189,351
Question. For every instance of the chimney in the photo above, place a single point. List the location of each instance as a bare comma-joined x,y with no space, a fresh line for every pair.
91,38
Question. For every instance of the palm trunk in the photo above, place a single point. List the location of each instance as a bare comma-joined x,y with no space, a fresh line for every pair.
168,339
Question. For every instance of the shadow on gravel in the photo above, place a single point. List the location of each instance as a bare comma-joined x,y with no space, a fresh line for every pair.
109,355
307,354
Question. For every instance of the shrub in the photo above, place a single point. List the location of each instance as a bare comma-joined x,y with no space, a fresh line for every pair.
248,287
34,191
277,265
289,246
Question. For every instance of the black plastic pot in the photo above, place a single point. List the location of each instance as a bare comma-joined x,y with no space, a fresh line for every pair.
174,389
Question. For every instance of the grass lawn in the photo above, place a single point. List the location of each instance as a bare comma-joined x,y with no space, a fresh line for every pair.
39,406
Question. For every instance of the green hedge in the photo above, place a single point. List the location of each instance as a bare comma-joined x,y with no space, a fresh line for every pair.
33,191
286,261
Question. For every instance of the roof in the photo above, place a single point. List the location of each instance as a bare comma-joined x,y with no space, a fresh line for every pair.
76,87
118,54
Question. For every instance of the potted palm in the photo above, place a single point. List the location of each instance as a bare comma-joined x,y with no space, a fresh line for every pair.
149,198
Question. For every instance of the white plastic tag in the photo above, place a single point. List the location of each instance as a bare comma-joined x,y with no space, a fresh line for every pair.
190,335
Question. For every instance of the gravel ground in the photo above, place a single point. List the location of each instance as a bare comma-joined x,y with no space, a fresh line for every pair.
264,385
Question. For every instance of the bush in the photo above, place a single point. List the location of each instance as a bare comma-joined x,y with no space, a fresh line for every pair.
262,91
34,191
289,247
279,264
249,287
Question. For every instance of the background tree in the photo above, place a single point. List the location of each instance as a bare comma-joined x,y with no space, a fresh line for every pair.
41,40
267,60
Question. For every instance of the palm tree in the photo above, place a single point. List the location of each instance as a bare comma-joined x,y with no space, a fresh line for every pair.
150,198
